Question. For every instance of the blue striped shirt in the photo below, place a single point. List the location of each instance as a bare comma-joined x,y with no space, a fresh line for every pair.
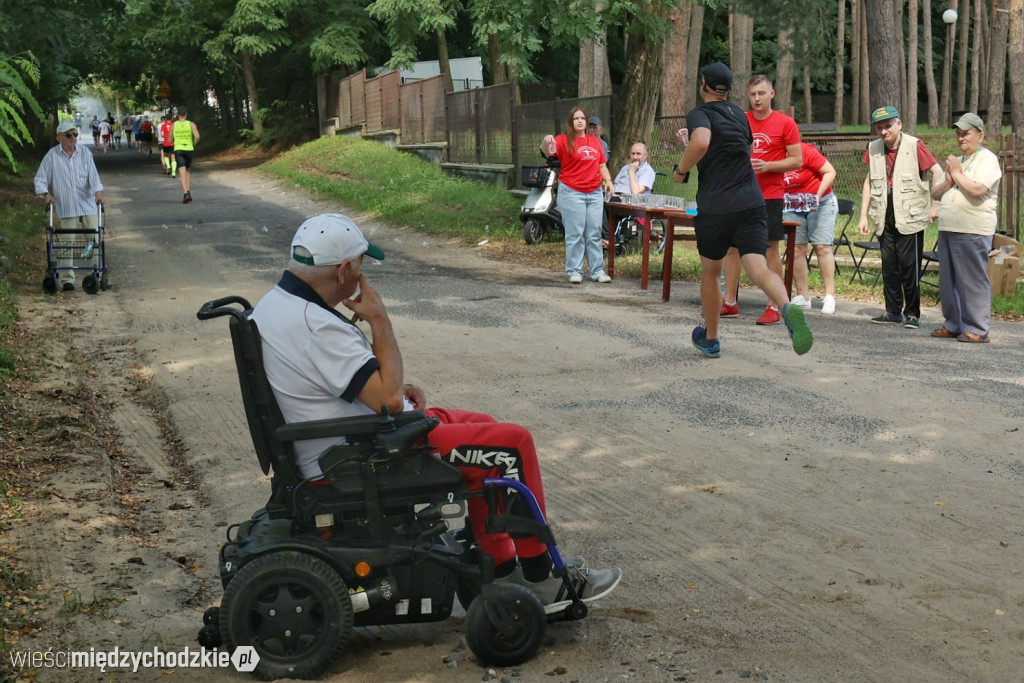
72,181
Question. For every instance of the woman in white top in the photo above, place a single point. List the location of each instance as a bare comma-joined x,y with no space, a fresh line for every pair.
967,221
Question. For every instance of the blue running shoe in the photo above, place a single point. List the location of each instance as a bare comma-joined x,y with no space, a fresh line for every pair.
799,332
709,347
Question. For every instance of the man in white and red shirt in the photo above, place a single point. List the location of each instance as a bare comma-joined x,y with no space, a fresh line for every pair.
809,200
776,149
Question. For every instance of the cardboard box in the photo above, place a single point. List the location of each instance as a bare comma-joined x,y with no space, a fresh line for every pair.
1002,272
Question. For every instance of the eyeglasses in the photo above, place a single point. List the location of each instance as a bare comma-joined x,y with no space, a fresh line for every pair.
71,134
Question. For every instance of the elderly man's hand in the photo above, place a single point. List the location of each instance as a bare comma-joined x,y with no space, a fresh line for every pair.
683,136
416,396
367,305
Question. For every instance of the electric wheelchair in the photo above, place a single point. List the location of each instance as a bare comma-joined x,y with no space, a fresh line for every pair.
368,544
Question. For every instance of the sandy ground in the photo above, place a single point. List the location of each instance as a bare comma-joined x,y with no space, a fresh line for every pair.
849,515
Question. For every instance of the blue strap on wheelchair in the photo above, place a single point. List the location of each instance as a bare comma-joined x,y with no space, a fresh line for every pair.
518,525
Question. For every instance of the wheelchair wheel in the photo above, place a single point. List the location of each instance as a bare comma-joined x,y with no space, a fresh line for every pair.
293,609
50,284
505,624
659,228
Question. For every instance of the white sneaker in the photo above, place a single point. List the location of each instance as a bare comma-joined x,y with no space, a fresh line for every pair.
603,278
575,279
800,301
828,306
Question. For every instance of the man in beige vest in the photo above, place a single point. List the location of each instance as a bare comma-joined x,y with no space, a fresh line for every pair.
897,198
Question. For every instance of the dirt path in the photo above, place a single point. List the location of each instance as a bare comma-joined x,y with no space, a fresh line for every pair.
846,515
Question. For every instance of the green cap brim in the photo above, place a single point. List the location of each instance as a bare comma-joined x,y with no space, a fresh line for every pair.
375,251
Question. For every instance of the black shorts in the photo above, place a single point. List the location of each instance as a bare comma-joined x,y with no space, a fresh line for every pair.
144,137
746,230
774,209
168,149
184,157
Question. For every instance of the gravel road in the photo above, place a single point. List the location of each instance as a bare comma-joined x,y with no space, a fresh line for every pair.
848,515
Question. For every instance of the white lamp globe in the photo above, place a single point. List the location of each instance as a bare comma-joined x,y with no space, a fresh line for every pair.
949,16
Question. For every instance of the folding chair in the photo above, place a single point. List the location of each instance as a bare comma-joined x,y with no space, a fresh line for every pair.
865,247
928,258
846,208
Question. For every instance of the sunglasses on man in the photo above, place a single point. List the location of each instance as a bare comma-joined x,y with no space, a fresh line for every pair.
71,134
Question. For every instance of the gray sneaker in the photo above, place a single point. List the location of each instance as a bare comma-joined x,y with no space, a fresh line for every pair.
590,585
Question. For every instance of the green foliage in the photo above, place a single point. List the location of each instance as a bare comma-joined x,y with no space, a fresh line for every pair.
400,188
17,74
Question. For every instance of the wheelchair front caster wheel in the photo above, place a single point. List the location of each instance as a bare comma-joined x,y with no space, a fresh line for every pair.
505,625
50,284
209,636
293,609
90,284
211,616
576,611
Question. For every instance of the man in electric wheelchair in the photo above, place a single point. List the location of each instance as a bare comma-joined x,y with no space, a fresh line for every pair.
319,367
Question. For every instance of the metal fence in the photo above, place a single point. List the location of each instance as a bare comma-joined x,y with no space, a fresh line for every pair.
485,126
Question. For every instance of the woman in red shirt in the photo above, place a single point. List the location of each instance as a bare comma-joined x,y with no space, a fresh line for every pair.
583,176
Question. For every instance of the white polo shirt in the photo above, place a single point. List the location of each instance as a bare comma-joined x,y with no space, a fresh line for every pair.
316,359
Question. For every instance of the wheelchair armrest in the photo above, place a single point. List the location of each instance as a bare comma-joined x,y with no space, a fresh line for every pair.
367,425
396,443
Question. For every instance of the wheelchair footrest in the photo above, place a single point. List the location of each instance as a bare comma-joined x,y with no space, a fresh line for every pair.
514,525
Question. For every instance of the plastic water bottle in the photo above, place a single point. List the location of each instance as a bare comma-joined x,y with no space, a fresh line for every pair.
1008,249
87,252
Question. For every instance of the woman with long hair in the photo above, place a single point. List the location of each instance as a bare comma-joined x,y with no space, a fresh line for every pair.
582,182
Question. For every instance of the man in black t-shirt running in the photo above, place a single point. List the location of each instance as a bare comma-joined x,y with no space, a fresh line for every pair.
731,211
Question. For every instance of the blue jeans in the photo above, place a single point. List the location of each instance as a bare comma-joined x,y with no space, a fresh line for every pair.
582,215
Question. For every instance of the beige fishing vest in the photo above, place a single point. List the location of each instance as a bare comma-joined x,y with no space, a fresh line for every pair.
911,194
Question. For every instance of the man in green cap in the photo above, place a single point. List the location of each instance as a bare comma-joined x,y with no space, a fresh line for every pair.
897,197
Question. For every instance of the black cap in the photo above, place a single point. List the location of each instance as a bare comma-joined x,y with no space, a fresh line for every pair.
718,77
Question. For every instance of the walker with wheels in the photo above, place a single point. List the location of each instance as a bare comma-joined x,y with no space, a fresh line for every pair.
82,246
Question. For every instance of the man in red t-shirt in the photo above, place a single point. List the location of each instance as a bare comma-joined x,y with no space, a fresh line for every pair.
776,149
167,160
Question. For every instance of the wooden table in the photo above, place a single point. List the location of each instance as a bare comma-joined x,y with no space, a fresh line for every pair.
674,218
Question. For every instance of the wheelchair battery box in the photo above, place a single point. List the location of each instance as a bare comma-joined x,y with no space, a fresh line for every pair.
425,592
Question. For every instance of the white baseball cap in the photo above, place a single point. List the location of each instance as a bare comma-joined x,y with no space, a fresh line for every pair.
332,238
65,125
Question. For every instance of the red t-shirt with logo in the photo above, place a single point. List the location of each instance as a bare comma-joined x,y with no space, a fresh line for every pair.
925,159
165,133
771,137
807,178
581,170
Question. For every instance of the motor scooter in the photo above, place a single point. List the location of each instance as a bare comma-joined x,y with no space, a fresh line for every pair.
540,214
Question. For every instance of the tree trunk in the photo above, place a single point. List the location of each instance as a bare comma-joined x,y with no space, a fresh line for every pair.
784,71
642,85
1016,65
254,96
865,64
945,113
741,46
837,108
977,53
442,60
929,66
499,74
961,77
594,77
912,88
897,24
808,100
997,66
690,80
673,80
885,51
856,35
